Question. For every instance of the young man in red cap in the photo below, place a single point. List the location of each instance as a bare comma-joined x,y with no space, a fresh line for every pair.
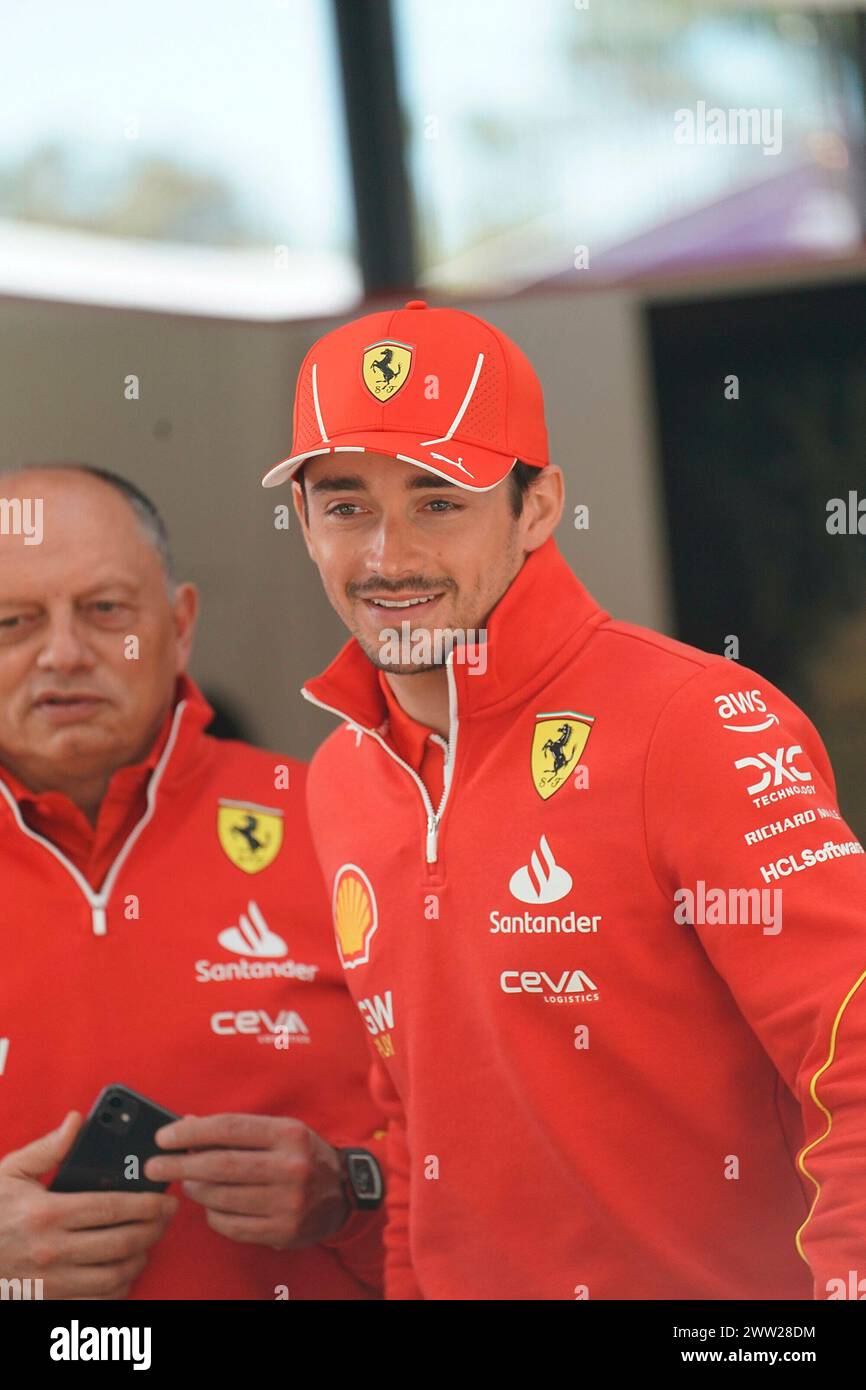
162,926
592,892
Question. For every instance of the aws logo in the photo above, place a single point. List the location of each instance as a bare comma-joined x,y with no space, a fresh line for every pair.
356,916
744,703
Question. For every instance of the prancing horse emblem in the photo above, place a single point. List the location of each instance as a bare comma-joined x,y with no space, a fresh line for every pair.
385,368
558,740
251,836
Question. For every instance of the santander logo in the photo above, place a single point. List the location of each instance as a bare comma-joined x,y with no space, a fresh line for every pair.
253,937
540,882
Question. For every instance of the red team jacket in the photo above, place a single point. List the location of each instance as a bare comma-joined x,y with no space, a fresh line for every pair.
202,975
615,979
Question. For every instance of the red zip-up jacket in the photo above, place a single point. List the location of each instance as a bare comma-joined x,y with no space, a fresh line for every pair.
200,972
616,1065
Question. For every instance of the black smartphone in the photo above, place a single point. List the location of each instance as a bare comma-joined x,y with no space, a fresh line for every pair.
113,1145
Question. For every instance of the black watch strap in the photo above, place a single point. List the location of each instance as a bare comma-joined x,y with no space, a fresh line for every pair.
362,1178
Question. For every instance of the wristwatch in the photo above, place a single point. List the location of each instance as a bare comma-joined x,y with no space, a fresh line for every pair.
362,1178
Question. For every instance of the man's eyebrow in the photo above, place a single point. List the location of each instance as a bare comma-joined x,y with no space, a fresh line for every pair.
421,480
355,483
110,582
334,482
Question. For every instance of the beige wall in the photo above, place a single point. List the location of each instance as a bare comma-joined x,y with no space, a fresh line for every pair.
215,411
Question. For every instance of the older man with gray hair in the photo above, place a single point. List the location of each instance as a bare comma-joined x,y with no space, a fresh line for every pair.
163,925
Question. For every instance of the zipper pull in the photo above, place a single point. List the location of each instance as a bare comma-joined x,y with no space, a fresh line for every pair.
100,927
432,827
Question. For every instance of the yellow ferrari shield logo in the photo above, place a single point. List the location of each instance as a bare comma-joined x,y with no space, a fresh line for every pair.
250,835
386,368
558,740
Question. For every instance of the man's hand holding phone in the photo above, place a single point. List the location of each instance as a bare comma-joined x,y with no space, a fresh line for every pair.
83,1245
262,1179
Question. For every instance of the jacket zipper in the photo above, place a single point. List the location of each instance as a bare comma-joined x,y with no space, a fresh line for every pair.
98,902
433,817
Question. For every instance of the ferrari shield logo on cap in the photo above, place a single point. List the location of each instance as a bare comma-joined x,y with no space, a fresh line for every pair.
355,915
385,368
251,836
558,741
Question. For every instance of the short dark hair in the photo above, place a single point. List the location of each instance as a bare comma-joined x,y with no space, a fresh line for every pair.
520,479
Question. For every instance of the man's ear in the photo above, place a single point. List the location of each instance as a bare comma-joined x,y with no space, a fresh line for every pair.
298,500
543,503
185,612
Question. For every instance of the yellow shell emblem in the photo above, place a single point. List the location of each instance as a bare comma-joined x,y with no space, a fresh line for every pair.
385,368
251,836
558,740
355,915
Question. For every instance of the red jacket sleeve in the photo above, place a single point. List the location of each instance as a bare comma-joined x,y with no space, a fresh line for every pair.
358,1244
739,799
400,1281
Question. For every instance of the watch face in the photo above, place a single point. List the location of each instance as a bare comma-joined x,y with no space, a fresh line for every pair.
364,1176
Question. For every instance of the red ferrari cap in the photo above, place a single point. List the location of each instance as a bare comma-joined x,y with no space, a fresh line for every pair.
439,388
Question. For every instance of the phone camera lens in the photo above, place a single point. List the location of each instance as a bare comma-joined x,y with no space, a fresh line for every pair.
106,1117
115,1102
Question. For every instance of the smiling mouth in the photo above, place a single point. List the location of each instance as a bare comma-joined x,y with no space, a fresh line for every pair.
392,603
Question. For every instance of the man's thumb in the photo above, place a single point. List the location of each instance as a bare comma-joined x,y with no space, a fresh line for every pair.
44,1153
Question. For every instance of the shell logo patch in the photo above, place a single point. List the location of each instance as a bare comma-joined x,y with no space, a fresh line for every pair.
558,740
356,916
252,836
385,368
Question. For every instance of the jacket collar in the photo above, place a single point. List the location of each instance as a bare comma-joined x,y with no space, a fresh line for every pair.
190,715
535,630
